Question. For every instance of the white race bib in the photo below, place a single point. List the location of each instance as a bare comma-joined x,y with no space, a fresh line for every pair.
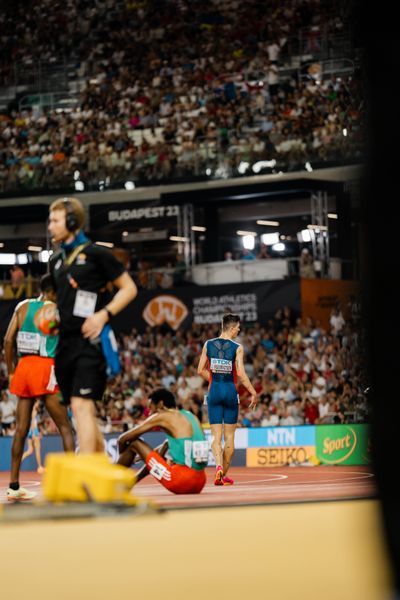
158,470
28,343
85,304
200,451
221,365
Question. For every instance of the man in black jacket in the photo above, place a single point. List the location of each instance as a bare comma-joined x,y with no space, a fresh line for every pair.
81,271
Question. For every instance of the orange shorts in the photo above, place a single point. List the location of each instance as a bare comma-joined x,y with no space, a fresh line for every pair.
34,376
178,479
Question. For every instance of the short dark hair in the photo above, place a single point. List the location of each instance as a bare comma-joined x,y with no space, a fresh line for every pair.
230,320
46,283
163,395
71,205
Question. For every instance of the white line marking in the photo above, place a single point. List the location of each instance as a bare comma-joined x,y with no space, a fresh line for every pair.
275,475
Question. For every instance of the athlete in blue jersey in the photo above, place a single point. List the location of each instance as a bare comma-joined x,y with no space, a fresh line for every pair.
221,363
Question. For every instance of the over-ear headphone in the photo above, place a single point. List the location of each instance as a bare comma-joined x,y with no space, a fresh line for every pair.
71,220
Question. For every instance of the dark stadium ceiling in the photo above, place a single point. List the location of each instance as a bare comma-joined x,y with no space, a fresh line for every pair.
239,203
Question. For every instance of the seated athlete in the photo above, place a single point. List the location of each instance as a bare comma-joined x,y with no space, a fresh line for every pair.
179,462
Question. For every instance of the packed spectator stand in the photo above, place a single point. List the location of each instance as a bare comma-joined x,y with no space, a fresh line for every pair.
302,373
167,90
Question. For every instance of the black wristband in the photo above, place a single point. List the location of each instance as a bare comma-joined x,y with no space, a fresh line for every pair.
110,315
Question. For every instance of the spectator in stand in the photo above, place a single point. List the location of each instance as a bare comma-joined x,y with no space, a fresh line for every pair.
8,407
336,321
17,278
263,252
311,413
270,419
16,288
293,371
190,112
306,265
247,255
323,409
319,388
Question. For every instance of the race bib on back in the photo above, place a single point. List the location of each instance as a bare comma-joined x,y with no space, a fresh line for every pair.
28,343
221,365
200,451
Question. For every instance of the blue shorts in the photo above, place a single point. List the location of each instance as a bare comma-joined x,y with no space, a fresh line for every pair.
36,433
223,403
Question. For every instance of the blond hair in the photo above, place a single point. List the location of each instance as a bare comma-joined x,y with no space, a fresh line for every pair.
76,207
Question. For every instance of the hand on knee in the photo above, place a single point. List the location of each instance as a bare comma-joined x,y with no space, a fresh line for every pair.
123,444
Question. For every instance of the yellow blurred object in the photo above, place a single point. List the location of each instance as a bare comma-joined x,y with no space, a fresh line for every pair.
314,460
73,477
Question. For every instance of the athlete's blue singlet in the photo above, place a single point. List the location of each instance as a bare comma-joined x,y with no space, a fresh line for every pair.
222,398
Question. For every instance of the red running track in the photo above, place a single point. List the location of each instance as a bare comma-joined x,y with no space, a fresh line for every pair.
252,486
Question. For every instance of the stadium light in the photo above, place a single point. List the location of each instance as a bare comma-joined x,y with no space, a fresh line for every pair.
198,228
279,247
240,232
178,238
248,242
7,258
45,255
317,227
268,223
304,235
332,216
270,238
35,248
106,244
22,259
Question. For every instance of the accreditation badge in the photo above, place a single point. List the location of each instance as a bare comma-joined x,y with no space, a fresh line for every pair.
85,304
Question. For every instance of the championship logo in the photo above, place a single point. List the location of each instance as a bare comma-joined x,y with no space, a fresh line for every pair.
165,309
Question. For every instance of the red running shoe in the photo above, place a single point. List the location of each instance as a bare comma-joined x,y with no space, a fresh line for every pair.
227,481
219,475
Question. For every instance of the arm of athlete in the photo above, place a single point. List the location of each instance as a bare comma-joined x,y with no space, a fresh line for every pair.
11,335
244,378
9,341
202,367
127,291
156,420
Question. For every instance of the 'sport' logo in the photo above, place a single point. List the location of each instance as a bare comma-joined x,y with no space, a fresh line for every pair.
338,449
165,309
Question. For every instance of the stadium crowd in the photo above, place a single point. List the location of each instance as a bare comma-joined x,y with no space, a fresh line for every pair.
176,89
302,374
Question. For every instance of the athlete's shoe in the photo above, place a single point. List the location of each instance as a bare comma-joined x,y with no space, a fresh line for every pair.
219,474
21,495
227,481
